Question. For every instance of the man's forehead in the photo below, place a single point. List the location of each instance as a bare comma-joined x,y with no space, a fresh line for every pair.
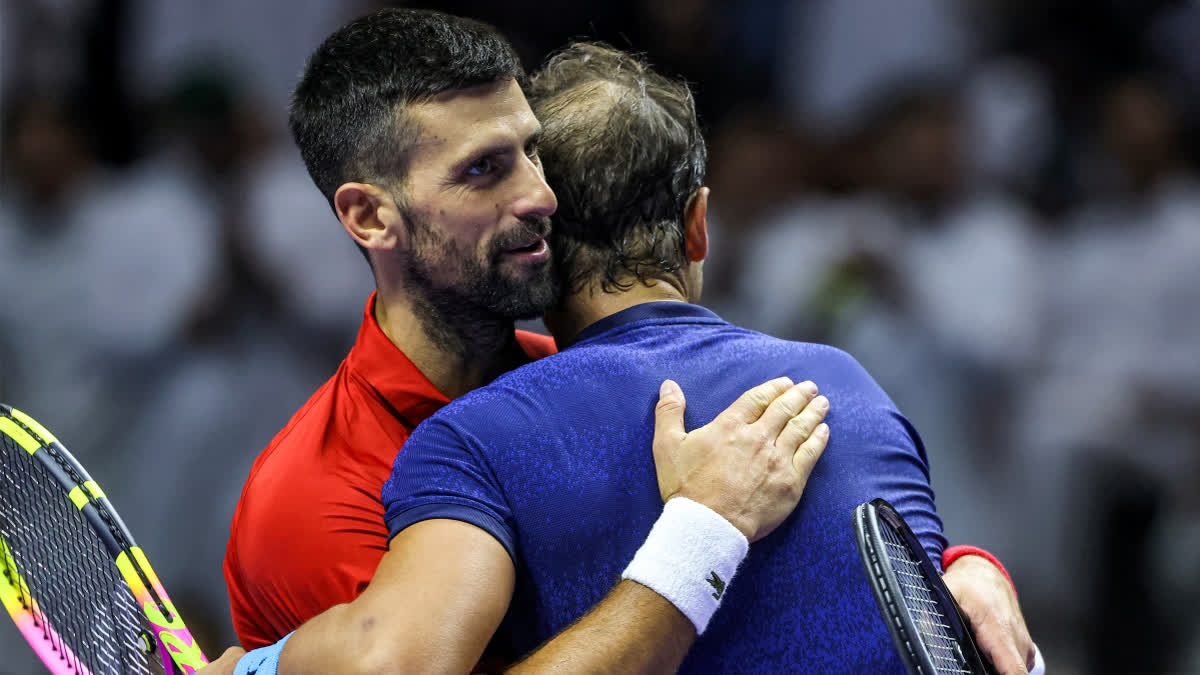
481,114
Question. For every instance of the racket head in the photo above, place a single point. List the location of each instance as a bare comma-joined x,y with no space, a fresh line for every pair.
79,589
922,616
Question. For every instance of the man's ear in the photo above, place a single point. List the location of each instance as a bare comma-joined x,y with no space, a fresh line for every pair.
695,226
369,215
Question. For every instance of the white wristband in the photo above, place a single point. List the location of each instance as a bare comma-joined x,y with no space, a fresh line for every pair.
689,558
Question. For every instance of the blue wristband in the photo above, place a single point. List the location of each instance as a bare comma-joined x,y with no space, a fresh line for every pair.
261,661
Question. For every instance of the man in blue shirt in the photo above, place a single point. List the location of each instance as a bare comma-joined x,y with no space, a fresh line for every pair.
541,459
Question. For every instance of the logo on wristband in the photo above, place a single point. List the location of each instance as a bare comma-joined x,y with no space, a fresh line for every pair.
717,584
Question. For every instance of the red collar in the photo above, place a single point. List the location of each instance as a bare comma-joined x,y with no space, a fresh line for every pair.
375,359
379,362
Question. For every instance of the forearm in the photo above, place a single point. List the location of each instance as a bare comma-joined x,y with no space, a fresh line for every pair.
613,637
341,639
668,595
437,597
322,645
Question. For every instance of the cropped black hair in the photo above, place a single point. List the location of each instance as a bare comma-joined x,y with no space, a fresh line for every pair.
347,113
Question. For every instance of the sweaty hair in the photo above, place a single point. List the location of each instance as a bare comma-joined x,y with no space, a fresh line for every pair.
347,113
622,149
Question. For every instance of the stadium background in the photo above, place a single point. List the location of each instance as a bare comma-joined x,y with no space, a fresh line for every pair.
994,205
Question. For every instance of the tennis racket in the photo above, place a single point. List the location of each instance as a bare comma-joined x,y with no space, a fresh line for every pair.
921,615
79,589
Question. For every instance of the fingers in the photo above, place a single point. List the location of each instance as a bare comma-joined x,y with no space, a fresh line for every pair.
1025,647
226,665
806,456
999,647
787,406
990,607
668,435
750,406
668,414
1039,664
801,426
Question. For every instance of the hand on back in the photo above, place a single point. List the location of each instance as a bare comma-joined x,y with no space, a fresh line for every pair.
751,463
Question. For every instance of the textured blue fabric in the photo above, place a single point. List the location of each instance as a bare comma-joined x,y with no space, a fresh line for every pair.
261,661
557,456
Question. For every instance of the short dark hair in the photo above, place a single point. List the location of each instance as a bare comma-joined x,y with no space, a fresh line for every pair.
622,149
346,113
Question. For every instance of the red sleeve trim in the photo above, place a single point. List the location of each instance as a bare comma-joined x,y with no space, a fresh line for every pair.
955,552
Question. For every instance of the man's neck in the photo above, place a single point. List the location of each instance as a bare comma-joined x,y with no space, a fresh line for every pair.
586,307
455,358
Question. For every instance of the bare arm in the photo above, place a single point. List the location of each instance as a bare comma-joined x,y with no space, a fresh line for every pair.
633,630
435,600
443,587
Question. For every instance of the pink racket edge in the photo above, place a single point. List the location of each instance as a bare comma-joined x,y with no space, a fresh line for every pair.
175,645
42,637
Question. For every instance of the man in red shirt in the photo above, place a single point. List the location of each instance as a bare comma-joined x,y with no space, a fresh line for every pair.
436,177
308,532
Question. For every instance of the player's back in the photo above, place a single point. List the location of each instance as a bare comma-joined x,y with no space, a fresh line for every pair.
563,446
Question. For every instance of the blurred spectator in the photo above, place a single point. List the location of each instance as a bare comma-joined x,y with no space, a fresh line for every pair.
297,240
106,265
32,38
277,314
268,39
1117,391
1011,124
838,53
759,165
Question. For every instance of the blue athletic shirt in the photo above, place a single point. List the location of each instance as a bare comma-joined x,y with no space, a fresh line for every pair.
554,460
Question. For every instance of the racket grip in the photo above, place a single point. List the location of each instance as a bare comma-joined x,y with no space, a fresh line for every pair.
1039,664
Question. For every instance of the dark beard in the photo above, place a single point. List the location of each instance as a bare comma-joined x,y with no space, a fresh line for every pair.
483,299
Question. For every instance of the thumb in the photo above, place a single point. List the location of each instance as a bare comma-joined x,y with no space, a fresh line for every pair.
668,416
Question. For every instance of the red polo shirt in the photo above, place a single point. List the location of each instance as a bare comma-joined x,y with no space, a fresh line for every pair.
308,531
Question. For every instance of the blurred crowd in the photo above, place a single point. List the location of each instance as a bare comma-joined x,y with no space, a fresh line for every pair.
993,204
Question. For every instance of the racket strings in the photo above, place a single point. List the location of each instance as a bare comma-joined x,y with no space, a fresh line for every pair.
114,529
71,588
937,633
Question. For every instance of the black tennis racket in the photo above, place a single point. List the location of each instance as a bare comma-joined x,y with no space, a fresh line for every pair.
79,589
924,620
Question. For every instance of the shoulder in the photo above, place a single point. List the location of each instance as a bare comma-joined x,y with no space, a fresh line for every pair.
499,414
822,357
840,363
329,461
831,368
343,422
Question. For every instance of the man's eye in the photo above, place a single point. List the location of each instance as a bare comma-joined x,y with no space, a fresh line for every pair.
532,151
481,167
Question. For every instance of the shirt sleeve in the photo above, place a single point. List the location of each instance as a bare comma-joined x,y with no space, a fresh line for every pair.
890,450
911,494
306,535
442,473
